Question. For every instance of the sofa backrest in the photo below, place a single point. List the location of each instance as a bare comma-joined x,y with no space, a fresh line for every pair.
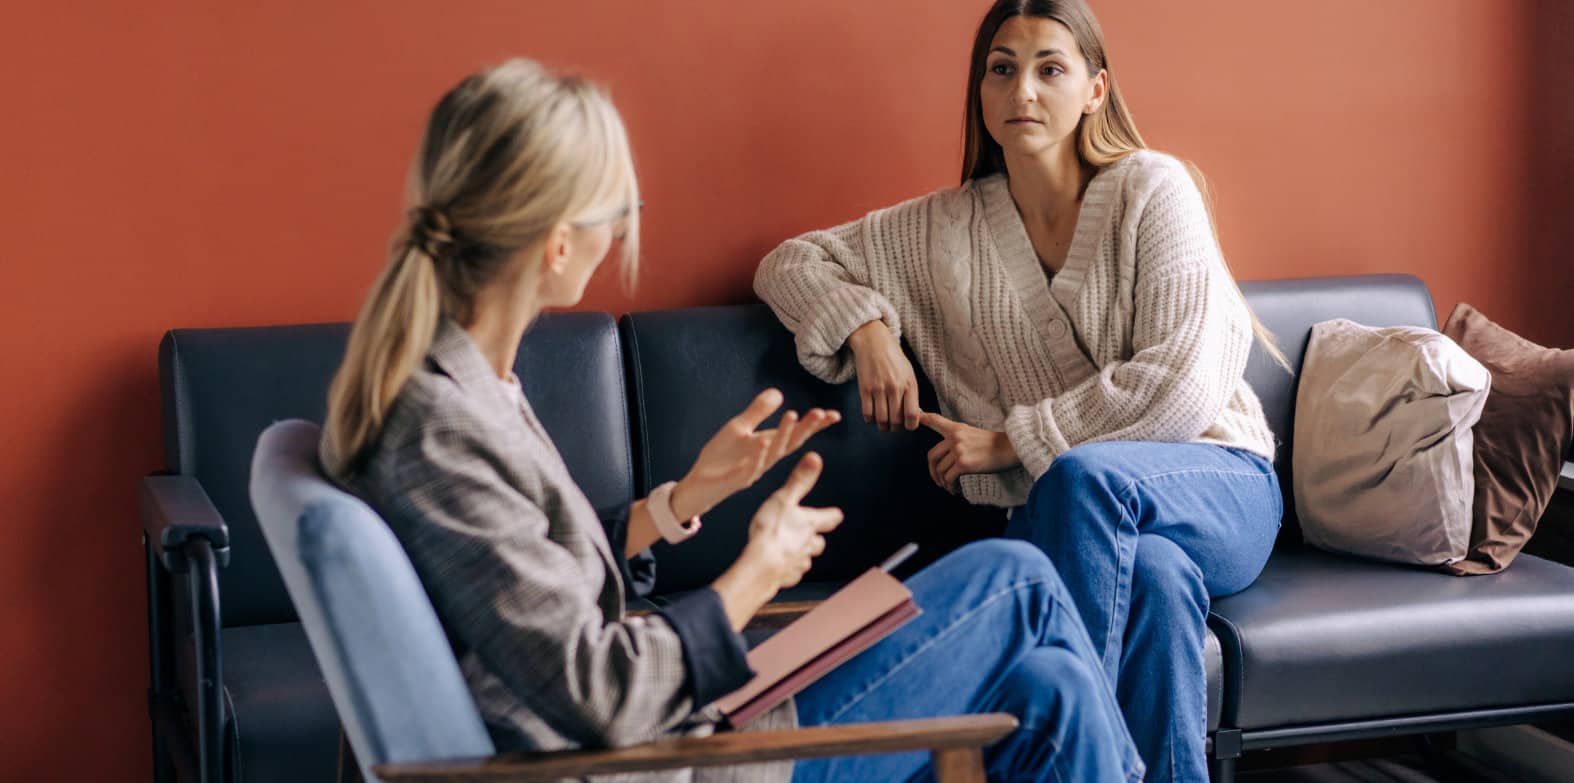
693,369
222,387
1289,308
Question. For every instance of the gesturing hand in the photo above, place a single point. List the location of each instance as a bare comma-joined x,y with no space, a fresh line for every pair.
785,537
964,449
738,454
887,385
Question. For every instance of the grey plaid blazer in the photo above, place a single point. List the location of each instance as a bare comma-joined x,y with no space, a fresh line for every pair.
522,575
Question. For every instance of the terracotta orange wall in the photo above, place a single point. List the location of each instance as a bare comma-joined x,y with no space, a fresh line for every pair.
173,163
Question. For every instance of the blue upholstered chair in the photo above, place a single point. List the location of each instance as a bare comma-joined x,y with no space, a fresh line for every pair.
406,711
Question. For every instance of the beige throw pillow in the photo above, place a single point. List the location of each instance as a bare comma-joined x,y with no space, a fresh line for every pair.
1382,453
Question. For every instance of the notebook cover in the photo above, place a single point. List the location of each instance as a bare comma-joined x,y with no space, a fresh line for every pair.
851,610
826,661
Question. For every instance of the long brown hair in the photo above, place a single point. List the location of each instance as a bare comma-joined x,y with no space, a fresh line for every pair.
508,154
1104,136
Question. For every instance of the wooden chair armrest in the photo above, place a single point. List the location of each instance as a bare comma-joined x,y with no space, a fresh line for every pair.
781,614
735,747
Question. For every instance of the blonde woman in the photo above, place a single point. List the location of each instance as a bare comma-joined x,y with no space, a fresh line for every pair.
1088,345
522,187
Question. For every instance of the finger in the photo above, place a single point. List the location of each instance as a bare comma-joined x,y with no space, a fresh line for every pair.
765,403
802,479
817,420
910,410
894,406
784,438
882,411
946,465
816,545
824,520
935,455
936,422
866,399
953,479
761,459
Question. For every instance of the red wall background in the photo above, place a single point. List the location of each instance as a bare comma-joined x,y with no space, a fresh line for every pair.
174,164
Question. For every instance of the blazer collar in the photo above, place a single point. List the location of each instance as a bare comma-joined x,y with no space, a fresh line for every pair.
458,357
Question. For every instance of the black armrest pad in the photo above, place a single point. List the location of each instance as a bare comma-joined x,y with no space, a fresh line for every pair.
175,509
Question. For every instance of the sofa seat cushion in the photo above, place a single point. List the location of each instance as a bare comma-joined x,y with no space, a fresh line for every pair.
1323,638
284,718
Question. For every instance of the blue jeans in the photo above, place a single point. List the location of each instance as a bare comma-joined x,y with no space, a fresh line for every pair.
998,633
1143,534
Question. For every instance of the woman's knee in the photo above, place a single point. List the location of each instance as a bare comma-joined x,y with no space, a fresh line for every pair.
1164,575
1009,558
978,571
1090,468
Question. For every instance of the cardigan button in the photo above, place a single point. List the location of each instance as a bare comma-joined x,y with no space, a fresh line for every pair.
1057,328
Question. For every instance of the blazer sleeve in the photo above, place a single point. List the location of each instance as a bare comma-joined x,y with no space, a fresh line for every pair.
639,569
513,596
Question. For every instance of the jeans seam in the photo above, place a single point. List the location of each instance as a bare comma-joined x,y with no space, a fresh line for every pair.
1189,472
906,659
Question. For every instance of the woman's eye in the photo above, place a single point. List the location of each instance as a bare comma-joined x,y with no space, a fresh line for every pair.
1000,69
1052,70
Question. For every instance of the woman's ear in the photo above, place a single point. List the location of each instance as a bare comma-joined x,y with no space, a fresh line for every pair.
555,255
1100,88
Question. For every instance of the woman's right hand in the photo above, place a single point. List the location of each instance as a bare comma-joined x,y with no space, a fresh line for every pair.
784,539
887,385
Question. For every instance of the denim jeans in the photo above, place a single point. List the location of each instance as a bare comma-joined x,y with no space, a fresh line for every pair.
1143,534
998,633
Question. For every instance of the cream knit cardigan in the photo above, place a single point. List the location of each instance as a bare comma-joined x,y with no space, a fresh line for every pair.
1141,336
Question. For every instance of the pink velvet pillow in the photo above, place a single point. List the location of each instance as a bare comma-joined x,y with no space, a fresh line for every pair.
1521,440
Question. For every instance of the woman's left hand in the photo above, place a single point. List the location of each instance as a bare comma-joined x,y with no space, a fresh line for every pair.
965,449
740,453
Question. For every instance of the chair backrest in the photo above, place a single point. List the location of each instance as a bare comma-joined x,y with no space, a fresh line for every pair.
221,387
388,665
692,369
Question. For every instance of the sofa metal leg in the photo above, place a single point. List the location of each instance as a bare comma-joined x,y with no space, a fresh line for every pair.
1225,752
958,765
1221,770
203,573
163,764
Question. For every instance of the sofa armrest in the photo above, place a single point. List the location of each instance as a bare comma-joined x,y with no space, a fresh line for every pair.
175,510
1566,478
947,738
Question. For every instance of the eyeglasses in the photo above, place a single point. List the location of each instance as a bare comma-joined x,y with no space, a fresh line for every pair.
621,214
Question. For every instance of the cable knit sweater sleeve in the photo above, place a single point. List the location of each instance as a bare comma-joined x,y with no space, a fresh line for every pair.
819,285
1191,335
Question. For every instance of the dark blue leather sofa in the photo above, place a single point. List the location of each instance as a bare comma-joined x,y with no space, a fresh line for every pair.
1321,648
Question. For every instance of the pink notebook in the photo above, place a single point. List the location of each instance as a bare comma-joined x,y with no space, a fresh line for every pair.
849,622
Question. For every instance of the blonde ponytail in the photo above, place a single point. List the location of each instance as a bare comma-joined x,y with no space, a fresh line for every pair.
391,336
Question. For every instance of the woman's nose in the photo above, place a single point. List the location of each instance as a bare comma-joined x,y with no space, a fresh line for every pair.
1023,91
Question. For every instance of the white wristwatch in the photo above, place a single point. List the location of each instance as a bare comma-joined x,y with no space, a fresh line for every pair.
660,506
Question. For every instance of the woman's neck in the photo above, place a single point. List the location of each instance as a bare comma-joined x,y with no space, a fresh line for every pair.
499,319
1047,188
